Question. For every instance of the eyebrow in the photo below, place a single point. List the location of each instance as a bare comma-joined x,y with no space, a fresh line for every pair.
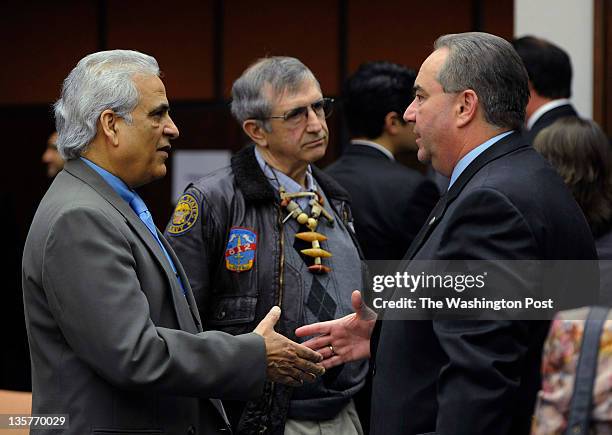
162,108
416,88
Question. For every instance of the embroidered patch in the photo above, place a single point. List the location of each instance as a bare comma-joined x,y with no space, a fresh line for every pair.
240,250
185,215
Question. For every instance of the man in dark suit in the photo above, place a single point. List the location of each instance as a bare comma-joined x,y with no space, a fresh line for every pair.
115,335
468,377
550,83
390,202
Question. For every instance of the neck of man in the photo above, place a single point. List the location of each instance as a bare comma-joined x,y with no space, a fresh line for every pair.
94,155
294,170
475,137
535,102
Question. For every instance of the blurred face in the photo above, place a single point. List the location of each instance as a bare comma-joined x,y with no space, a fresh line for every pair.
294,143
144,145
432,112
51,157
406,138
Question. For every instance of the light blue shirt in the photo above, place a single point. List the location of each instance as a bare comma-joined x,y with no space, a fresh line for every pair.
291,186
128,196
471,156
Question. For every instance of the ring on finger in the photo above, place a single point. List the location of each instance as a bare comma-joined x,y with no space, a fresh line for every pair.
331,348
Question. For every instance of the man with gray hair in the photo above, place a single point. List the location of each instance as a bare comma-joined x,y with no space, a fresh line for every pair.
262,232
455,376
115,335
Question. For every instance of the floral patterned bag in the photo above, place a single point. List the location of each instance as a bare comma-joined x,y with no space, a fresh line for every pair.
576,394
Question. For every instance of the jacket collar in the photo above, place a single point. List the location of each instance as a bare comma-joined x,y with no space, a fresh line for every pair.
505,146
80,170
256,187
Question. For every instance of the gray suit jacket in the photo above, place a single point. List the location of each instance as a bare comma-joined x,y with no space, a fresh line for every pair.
115,343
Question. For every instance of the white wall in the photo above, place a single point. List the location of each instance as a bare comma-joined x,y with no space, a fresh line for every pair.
569,24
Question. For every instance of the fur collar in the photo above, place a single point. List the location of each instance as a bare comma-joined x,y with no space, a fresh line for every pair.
256,188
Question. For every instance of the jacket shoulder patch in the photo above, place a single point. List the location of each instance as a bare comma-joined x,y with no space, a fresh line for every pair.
185,215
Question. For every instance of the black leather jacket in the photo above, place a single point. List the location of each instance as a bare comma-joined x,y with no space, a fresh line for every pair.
241,196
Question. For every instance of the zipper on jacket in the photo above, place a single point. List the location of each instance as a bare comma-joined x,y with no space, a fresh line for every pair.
282,257
264,429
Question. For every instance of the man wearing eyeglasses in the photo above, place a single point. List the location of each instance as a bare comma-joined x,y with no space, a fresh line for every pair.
271,229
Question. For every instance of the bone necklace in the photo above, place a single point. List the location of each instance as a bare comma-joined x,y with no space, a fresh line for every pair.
311,222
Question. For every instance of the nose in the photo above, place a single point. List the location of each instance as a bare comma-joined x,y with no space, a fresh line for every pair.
46,157
171,129
313,122
410,113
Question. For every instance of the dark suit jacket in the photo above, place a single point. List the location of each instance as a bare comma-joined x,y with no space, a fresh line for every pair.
479,377
390,202
548,118
114,341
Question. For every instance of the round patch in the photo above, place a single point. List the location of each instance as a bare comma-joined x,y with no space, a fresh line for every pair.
185,215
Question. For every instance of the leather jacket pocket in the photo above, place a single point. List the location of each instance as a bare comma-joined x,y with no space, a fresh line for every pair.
233,314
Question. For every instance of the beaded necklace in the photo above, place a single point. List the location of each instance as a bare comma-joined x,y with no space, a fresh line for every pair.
311,222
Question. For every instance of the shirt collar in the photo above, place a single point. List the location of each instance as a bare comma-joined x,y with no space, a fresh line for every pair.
375,145
115,182
277,177
545,108
471,156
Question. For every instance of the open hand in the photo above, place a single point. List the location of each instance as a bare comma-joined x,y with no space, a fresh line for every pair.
342,340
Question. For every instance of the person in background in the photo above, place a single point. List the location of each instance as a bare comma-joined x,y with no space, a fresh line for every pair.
580,152
51,157
550,83
390,202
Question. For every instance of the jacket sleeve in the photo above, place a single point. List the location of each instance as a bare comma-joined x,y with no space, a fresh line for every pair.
96,298
479,384
191,233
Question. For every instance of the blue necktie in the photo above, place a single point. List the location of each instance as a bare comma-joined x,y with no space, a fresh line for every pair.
143,213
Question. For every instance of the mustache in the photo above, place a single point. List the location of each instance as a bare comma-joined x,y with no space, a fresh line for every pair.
317,139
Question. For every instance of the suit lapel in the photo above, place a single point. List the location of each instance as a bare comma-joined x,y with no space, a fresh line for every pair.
505,146
434,217
183,312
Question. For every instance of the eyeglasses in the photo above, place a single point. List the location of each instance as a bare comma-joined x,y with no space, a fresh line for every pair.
322,108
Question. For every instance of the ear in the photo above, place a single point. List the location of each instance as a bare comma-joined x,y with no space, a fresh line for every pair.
256,132
467,107
109,124
392,124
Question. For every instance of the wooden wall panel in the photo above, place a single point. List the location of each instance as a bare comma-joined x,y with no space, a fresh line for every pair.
180,38
254,29
498,18
41,43
400,31
602,68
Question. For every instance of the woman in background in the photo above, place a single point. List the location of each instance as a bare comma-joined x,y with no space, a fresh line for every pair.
580,152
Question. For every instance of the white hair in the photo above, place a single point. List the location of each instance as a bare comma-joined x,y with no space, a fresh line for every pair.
100,81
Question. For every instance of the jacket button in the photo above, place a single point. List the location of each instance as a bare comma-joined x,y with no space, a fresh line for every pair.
191,430
221,315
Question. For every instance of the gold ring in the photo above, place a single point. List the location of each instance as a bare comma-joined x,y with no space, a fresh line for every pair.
332,349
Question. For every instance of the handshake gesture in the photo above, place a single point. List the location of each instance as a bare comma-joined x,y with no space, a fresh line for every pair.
335,342
289,363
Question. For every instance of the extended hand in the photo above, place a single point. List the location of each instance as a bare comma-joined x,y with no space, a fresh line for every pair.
289,363
345,339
